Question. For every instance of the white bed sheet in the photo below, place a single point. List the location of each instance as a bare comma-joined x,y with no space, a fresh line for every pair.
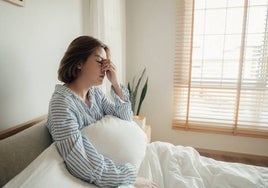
48,171
168,165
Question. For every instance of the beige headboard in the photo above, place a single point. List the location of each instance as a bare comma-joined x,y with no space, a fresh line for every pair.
20,145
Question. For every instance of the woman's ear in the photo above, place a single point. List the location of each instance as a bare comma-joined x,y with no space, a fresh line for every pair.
79,66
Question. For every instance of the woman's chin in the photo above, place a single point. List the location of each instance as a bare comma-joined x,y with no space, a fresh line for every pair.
100,82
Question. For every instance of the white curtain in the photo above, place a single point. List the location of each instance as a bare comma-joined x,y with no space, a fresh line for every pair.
107,23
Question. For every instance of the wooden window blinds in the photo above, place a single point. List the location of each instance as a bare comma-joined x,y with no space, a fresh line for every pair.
221,67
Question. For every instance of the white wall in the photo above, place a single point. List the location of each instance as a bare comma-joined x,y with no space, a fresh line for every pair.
150,43
32,41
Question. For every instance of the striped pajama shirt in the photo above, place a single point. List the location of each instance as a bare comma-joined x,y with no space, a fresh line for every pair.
68,115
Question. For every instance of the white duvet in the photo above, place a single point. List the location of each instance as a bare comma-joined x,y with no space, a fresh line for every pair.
182,167
168,165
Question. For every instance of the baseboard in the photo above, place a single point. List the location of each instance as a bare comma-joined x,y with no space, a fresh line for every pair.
235,157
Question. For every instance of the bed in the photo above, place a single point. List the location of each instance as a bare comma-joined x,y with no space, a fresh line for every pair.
166,164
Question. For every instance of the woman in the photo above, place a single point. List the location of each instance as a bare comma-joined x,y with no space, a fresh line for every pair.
78,103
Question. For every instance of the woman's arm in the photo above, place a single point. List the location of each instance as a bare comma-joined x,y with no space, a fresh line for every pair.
80,156
118,107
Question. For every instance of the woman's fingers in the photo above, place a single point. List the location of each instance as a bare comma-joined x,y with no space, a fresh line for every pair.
107,65
144,183
109,68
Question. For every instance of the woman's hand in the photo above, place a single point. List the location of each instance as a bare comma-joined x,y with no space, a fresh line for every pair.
109,68
144,183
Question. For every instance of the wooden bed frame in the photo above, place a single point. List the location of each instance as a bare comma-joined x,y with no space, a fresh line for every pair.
215,154
18,128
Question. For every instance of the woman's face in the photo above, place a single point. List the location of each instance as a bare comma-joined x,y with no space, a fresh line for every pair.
91,70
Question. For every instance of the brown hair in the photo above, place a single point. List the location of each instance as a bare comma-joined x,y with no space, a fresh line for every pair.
77,53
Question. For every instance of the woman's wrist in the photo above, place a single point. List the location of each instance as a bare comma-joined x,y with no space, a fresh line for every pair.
116,85
118,91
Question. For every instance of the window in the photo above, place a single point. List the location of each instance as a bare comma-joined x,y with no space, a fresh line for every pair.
221,67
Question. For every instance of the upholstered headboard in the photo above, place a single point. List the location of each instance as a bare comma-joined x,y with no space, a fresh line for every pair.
20,149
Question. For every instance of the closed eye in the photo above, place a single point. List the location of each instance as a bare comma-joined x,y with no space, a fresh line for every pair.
99,59
100,62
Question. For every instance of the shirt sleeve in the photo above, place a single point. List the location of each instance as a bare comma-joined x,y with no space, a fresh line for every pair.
118,108
80,156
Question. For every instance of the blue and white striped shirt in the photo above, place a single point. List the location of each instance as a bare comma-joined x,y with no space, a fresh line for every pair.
68,115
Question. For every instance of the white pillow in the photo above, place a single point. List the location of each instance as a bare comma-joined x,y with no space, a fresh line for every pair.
120,140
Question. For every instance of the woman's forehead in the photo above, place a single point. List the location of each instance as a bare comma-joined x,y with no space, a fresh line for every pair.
100,52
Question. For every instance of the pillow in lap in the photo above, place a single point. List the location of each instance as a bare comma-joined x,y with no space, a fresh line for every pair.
120,140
